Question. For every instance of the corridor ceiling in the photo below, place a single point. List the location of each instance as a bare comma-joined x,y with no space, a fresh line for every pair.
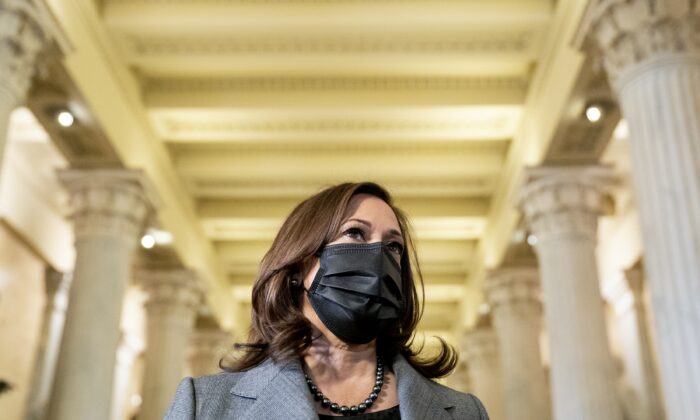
239,109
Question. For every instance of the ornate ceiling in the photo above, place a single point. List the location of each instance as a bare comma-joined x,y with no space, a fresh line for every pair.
239,109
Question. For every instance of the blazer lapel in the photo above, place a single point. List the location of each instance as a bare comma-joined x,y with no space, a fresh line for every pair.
279,391
418,398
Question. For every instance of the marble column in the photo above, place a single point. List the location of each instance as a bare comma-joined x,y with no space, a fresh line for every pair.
208,344
561,206
480,348
651,52
109,211
514,297
171,305
129,350
57,288
25,34
650,393
459,379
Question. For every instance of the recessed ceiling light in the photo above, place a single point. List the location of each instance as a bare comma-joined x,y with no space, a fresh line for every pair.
531,239
65,119
148,241
594,113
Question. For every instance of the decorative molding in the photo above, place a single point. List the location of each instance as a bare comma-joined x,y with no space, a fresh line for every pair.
276,1
465,42
282,188
625,33
506,287
109,202
498,121
480,344
469,148
171,293
22,40
286,84
564,200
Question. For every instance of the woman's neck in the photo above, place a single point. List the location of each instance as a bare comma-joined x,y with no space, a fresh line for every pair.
329,359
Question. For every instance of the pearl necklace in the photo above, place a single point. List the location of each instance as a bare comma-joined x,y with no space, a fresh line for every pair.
344,409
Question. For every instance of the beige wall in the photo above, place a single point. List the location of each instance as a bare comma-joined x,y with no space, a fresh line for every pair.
21,305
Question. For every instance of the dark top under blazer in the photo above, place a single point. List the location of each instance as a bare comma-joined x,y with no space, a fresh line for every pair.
278,391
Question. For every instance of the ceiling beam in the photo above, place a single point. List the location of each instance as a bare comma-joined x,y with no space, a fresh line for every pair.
325,163
137,16
300,92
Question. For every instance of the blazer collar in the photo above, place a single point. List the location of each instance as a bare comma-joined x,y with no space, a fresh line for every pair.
277,388
281,388
418,396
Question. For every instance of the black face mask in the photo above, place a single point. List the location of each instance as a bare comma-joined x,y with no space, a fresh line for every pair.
357,291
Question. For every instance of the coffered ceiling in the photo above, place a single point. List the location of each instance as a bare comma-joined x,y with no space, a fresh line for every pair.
242,108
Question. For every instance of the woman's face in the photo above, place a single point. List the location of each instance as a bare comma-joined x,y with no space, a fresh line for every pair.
368,219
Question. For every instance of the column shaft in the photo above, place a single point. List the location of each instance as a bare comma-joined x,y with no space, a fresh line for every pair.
517,315
481,351
109,211
170,312
651,52
561,206
57,288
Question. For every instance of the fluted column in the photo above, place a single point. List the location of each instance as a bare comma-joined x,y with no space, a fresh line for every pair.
459,379
561,207
650,394
651,51
109,211
208,343
514,297
129,350
57,288
480,349
25,34
171,306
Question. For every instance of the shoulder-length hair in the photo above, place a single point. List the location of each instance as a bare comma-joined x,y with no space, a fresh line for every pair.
280,330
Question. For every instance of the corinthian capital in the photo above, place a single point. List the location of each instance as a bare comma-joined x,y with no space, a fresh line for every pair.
567,201
628,32
510,287
108,202
172,292
26,29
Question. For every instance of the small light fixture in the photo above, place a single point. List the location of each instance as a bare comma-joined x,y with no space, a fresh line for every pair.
531,240
484,308
148,241
65,119
622,130
162,237
594,113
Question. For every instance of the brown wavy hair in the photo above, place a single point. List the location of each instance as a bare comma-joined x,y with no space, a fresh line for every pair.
279,328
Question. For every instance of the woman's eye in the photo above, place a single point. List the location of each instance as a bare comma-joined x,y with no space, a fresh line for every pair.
396,247
355,233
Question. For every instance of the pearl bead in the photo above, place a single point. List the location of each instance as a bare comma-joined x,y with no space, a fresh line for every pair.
344,410
335,408
361,407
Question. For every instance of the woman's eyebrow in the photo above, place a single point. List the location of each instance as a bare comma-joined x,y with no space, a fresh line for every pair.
395,233
364,222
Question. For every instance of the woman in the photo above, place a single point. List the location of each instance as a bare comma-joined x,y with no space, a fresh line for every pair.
334,309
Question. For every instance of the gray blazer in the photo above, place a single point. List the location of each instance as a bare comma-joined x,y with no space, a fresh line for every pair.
278,391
